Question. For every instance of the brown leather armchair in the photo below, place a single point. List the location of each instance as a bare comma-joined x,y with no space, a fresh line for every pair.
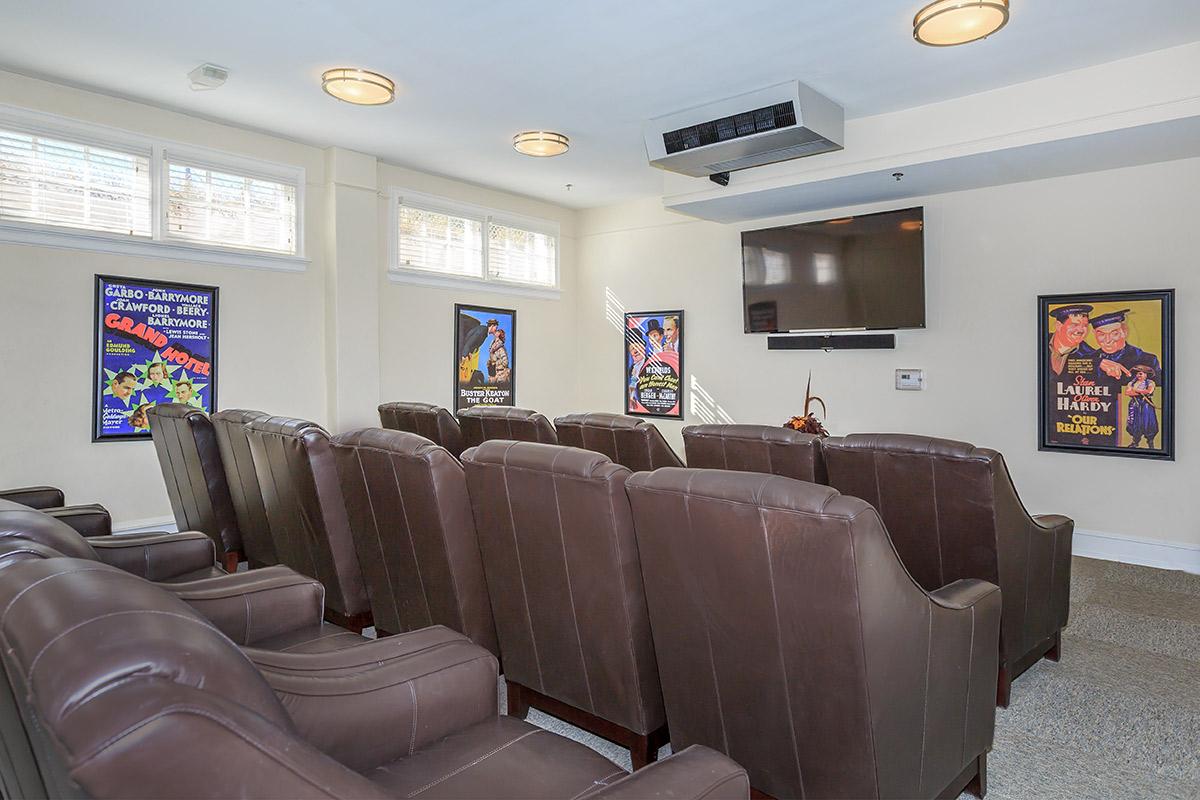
272,607
410,517
628,441
953,512
303,500
115,689
424,419
481,423
233,443
89,519
562,569
790,637
755,448
194,476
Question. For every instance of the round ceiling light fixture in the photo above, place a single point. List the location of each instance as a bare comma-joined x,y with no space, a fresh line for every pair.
945,23
541,144
359,86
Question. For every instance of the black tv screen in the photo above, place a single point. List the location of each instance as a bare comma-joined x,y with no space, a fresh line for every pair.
852,273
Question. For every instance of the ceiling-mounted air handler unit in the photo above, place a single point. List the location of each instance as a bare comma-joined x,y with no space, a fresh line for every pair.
778,123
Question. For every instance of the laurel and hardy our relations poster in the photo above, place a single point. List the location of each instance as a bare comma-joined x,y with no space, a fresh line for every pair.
485,349
654,363
1106,380
156,342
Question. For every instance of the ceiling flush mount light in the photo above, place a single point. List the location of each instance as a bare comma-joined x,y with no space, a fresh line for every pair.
541,144
949,22
359,86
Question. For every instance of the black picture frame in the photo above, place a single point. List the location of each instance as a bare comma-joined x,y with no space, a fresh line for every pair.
97,338
483,312
1049,394
625,365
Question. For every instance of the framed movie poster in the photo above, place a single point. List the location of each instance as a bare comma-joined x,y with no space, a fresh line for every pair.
654,364
1106,380
155,342
485,350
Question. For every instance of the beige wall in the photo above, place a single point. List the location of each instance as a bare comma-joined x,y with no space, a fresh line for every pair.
415,322
291,343
990,252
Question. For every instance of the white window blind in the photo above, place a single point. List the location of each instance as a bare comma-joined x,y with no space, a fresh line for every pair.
229,210
521,256
74,184
439,241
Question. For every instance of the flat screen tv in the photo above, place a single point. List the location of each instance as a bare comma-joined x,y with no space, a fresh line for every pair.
852,273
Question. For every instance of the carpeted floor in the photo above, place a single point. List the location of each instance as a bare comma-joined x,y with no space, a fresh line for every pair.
1118,717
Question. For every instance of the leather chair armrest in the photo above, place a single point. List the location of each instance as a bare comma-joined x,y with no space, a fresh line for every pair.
88,520
156,556
35,496
963,593
1055,522
379,701
696,773
251,606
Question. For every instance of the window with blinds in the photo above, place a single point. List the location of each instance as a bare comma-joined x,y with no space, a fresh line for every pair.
516,255
74,184
438,241
229,210
459,241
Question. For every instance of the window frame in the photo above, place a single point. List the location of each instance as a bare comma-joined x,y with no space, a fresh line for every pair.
157,245
396,197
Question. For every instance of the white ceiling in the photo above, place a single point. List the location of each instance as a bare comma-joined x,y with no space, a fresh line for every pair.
472,74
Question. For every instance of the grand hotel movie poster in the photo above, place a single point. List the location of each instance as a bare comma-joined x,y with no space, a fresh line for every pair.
1107,373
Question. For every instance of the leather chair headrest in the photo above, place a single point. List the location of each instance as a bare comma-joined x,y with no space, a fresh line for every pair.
910,444
498,412
286,426
543,457
416,408
597,419
175,411
238,416
76,629
753,488
21,522
401,443
765,433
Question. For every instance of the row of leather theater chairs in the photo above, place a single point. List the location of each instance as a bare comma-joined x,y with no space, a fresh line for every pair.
135,667
950,508
762,616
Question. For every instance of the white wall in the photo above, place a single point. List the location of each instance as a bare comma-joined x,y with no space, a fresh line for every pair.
990,252
415,321
327,344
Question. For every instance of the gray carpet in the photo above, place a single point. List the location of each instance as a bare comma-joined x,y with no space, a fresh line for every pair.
1118,717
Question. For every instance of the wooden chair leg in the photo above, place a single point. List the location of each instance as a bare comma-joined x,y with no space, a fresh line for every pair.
518,706
978,785
1055,651
639,752
1003,687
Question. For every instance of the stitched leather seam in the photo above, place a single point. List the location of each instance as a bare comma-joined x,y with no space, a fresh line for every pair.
537,661
787,691
925,699
391,585
596,785
562,540
862,644
479,760
412,739
330,683
376,661
459,595
628,628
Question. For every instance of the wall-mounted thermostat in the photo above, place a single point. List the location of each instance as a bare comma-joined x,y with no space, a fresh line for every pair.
910,380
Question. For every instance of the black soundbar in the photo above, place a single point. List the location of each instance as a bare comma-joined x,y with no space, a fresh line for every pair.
829,341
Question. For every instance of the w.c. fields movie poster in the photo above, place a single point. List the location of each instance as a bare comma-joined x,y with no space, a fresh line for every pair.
654,363
1107,373
156,343
485,348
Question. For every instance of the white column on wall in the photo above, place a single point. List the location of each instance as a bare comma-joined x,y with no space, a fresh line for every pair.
352,285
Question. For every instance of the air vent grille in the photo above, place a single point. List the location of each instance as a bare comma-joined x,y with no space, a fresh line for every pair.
818,145
748,123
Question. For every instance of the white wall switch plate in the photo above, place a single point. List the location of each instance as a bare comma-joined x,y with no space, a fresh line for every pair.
910,380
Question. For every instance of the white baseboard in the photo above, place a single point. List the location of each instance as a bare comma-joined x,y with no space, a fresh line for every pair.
152,525
1136,550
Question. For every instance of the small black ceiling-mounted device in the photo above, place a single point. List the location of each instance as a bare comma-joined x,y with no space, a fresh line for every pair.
720,178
